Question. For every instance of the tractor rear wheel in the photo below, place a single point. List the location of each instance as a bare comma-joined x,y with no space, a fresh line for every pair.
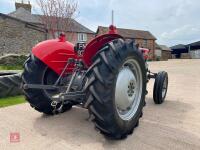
115,89
36,72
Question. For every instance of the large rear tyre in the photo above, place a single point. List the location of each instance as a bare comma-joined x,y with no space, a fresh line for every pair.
115,89
10,85
36,72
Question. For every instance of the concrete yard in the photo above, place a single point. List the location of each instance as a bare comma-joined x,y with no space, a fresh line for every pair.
174,125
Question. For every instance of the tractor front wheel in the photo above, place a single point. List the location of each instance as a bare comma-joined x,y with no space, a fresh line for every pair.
115,89
160,87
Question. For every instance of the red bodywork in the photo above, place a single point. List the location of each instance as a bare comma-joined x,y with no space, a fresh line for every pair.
55,53
95,45
145,52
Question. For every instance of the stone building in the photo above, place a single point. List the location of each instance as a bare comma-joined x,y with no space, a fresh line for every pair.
17,36
144,38
21,30
162,52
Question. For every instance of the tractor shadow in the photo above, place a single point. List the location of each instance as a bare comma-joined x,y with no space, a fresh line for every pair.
170,112
74,128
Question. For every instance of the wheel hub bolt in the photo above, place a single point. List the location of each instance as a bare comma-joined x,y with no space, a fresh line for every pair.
131,88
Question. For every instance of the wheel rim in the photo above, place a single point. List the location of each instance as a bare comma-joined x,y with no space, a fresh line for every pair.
49,78
164,89
128,90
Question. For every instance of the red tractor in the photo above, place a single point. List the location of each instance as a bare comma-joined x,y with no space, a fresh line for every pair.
108,77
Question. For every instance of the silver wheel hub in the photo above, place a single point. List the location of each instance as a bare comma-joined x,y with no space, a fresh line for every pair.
125,89
128,89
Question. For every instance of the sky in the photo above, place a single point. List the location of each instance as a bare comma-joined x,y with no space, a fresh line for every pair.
170,21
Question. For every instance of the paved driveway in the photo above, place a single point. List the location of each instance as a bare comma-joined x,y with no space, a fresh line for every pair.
173,125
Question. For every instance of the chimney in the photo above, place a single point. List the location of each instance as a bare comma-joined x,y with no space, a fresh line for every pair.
23,5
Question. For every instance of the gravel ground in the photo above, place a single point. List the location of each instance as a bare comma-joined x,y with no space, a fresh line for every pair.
173,125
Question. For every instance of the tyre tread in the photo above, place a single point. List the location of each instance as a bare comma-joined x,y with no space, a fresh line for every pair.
99,104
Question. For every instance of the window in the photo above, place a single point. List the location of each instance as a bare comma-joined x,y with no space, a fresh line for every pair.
56,34
145,43
82,37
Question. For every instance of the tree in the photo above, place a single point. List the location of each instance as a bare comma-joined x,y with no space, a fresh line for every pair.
57,15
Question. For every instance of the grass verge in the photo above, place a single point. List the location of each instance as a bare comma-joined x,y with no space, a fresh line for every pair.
4,67
9,101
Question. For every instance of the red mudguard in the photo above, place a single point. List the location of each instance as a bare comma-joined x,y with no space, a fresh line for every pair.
55,53
95,45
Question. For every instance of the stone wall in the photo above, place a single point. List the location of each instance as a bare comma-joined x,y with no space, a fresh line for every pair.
13,60
16,37
185,56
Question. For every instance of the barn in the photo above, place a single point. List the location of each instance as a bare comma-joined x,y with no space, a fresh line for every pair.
179,50
194,50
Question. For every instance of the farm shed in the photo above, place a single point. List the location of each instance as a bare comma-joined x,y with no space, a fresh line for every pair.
194,50
177,50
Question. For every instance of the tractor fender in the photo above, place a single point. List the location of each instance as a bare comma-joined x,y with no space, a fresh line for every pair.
95,45
55,53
